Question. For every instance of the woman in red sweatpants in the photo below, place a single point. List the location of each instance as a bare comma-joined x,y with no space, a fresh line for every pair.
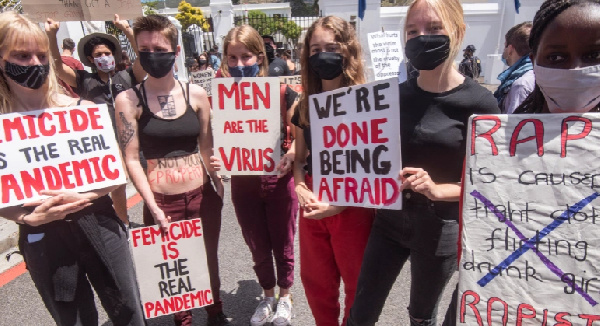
332,238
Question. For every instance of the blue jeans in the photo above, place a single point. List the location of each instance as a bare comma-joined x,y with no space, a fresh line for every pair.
425,231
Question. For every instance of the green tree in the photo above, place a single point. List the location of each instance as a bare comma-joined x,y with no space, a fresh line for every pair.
266,25
150,7
189,15
6,5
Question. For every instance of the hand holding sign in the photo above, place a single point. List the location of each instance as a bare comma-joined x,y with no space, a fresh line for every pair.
161,219
51,27
54,208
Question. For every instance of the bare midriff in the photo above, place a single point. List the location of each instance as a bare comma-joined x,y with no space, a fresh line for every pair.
176,175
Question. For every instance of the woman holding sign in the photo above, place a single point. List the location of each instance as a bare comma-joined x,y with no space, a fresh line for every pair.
332,238
70,239
435,108
265,206
170,123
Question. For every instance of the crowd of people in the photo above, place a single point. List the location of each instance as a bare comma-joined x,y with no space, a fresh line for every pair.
72,241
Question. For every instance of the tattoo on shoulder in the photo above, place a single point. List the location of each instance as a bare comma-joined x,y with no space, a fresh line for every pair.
126,133
167,105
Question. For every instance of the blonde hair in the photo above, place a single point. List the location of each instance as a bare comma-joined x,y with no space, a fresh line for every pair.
248,36
452,17
353,70
16,30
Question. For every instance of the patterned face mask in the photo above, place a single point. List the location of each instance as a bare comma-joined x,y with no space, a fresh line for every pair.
27,76
105,63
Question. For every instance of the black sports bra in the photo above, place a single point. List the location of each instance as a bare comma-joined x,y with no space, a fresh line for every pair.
159,137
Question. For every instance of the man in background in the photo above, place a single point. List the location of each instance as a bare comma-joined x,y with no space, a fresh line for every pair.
518,81
214,62
277,66
67,58
471,65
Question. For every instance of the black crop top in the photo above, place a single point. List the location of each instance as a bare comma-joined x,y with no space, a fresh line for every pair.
161,137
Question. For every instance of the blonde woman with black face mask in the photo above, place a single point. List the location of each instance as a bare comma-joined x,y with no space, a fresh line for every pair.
69,240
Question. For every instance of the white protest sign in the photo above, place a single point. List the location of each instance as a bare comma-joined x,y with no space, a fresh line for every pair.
291,80
172,271
204,79
247,124
355,135
530,244
57,149
81,10
386,54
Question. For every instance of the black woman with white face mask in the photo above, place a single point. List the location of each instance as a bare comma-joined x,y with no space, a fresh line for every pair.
567,68
434,112
70,241
169,122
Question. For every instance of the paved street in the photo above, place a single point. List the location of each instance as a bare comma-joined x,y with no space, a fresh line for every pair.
21,305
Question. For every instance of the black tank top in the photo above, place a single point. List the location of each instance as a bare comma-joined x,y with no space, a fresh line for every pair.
161,137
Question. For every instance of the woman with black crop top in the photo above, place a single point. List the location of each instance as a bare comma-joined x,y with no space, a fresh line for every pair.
170,123
434,111
70,241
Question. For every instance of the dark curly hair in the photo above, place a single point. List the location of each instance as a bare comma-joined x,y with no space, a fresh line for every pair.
88,47
549,10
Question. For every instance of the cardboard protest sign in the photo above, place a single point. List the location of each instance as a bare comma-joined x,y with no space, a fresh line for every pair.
247,124
81,10
172,272
356,145
57,149
294,82
386,54
530,245
204,79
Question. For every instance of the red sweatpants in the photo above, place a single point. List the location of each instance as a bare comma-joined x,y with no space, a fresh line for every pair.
329,249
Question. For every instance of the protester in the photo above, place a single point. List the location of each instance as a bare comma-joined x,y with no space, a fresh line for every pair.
203,61
567,68
277,66
287,57
332,238
101,52
214,60
192,65
265,206
125,62
518,81
67,58
470,66
433,123
70,239
170,123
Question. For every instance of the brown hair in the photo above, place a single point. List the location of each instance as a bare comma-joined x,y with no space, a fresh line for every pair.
248,36
518,37
156,23
353,72
16,29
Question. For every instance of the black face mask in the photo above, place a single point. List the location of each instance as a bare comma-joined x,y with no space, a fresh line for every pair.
426,52
270,52
27,76
202,62
157,64
327,65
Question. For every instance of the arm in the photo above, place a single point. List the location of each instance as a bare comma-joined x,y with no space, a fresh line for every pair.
127,113
418,180
285,164
64,72
205,140
124,27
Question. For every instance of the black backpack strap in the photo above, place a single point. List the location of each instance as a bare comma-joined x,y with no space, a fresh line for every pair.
142,98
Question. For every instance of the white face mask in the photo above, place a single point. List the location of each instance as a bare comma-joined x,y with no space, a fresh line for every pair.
569,90
105,63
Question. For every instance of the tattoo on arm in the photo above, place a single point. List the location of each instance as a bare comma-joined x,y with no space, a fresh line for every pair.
126,133
167,105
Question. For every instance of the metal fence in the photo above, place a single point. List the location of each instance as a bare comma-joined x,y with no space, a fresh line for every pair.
196,40
125,45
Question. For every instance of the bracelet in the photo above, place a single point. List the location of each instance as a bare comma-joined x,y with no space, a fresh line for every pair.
303,185
21,219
